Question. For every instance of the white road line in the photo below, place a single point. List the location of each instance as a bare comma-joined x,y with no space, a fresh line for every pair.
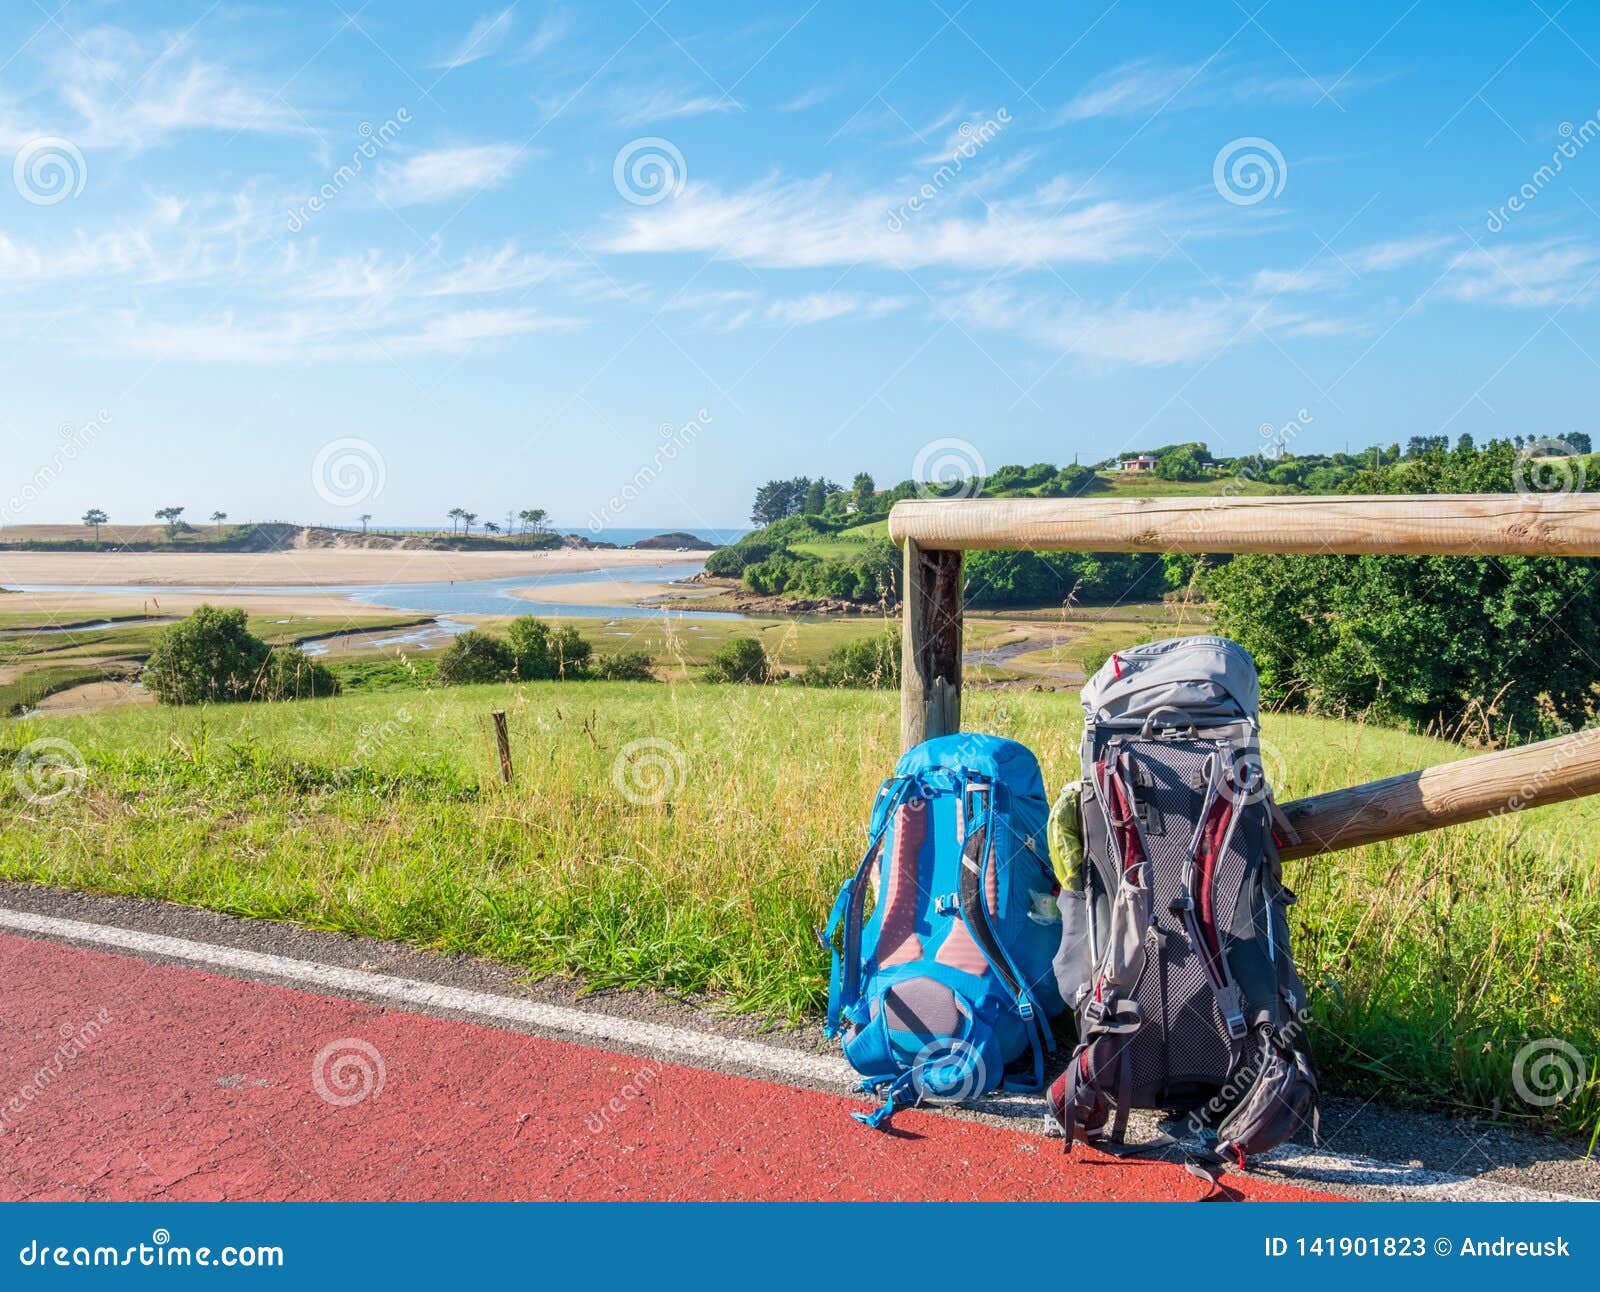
681,1041
1319,1166
1304,1166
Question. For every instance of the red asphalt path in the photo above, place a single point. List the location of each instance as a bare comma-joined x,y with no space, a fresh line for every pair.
122,1079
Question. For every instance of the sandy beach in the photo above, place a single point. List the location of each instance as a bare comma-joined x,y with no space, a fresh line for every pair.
307,566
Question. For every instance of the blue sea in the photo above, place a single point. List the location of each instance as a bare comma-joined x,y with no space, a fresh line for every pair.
620,536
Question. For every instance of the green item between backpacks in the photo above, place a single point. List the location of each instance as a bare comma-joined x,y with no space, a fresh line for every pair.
1066,839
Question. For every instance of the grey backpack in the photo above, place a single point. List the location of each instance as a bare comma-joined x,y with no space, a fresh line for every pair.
1175,951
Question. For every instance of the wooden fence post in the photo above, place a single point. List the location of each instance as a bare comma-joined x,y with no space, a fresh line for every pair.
930,647
502,739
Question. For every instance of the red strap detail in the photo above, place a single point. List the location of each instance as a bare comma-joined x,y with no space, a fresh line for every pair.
1116,665
1216,830
1119,808
1122,809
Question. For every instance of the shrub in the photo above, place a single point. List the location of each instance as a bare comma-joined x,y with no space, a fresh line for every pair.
543,654
624,666
211,656
475,657
731,562
1093,660
291,674
866,662
739,659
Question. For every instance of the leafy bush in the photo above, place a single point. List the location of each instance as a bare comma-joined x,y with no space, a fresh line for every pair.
1071,481
624,666
1093,660
1504,645
1051,578
865,662
211,656
543,654
475,657
291,674
739,659
1422,642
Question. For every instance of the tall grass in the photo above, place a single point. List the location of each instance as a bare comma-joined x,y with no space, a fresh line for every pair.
1431,961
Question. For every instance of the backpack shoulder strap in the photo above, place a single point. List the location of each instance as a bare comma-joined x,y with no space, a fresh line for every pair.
844,980
977,861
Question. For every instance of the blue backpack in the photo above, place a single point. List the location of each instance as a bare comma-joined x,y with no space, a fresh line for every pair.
946,990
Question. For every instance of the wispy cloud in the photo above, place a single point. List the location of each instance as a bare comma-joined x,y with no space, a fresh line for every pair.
446,172
553,28
324,336
1398,253
1303,281
633,107
1144,86
484,37
1181,330
1524,277
811,97
820,307
283,302
814,223
1176,332
117,90
1125,91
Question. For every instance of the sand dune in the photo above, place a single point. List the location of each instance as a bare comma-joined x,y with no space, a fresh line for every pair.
306,567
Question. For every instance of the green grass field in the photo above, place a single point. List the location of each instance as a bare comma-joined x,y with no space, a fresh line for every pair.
677,645
1146,484
701,861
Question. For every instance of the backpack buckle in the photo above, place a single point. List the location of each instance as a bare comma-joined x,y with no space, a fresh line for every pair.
947,904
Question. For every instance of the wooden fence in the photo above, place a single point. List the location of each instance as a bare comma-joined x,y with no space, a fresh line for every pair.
936,532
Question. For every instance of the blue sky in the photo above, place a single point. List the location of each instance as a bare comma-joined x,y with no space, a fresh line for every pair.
625,260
